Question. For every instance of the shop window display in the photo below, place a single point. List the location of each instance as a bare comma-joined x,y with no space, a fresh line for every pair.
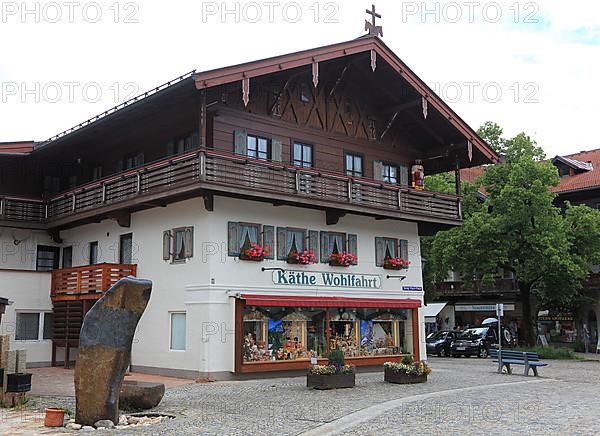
288,333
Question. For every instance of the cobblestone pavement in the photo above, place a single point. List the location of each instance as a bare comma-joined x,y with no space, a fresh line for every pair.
462,396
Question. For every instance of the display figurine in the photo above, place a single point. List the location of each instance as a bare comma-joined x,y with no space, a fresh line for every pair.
418,175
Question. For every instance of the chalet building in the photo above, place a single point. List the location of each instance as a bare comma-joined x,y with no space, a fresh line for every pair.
268,202
579,184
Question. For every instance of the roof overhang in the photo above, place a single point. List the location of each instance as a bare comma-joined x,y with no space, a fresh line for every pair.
376,47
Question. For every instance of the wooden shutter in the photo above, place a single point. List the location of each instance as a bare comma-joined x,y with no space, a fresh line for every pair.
269,240
403,170
313,241
281,243
353,247
233,243
403,249
325,252
276,150
379,251
188,242
377,170
240,142
167,245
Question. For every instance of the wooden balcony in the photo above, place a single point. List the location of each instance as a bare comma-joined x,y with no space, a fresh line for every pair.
458,289
210,171
87,282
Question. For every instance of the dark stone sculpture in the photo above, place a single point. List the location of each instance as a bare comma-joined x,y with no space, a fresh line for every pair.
139,395
105,349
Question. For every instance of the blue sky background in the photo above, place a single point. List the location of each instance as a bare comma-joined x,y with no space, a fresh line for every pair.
543,57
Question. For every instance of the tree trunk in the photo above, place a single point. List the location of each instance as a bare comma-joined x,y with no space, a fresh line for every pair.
527,330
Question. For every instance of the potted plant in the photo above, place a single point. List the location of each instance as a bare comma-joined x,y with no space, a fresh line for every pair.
342,259
254,252
306,257
335,375
406,372
396,263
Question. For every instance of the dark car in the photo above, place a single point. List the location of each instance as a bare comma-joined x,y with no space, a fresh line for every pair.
439,342
475,342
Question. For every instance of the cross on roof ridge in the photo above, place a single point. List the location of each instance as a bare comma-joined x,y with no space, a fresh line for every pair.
371,27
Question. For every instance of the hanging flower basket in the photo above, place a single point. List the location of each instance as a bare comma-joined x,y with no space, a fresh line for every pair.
254,252
342,259
395,263
306,257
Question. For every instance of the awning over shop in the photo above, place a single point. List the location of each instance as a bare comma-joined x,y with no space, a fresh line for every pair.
433,309
314,301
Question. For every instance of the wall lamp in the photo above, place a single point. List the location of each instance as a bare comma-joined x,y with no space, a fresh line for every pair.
395,277
272,269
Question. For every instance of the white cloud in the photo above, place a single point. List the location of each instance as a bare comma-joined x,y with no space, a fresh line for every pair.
171,38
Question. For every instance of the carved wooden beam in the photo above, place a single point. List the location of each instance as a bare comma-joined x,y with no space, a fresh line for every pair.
339,79
389,125
332,216
246,91
209,201
123,218
202,120
55,235
315,73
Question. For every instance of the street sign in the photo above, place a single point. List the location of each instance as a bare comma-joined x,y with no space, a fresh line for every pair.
500,309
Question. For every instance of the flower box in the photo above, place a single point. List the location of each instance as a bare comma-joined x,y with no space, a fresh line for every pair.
306,257
18,382
395,263
342,259
330,381
251,258
402,378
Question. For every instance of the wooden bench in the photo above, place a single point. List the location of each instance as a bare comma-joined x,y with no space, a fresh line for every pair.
530,360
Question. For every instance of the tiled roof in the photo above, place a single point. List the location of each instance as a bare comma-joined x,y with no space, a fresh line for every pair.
589,178
23,147
586,180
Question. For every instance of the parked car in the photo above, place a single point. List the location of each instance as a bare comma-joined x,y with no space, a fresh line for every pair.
439,342
474,342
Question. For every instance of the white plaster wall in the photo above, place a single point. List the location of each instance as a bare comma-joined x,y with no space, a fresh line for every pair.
18,248
204,286
27,291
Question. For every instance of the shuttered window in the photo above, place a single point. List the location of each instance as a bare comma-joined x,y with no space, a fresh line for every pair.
241,233
257,147
390,248
291,239
335,242
178,244
393,174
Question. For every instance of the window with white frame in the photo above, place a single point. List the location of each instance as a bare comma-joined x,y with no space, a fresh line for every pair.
178,331
33,326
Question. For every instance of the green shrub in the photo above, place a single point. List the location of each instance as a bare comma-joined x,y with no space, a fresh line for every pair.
336,357
579,346
408,359
552,352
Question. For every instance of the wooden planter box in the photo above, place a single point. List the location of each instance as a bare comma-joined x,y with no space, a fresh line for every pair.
402,378
336,381
18,382
253,259
336,263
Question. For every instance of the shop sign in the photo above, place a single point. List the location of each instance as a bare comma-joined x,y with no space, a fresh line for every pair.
412,288
326,279
481,307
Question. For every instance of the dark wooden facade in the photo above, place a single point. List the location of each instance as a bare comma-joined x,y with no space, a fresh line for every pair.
178,142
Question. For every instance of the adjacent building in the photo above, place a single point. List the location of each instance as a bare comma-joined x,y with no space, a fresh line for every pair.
274,205
579,184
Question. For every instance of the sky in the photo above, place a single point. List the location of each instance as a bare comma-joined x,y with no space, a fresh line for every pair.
529,66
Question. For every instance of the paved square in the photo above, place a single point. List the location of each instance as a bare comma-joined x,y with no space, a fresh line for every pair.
463,396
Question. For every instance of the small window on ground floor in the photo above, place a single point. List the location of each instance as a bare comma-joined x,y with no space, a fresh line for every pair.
178,331
32,326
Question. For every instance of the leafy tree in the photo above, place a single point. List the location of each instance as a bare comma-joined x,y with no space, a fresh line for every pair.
519,228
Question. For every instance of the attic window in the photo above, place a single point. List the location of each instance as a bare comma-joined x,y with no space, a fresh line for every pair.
564,171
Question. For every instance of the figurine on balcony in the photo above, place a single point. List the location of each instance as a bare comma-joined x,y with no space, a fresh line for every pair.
418,175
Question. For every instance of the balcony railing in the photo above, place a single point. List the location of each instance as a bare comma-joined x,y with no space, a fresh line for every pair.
87,282
458,289
222,172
